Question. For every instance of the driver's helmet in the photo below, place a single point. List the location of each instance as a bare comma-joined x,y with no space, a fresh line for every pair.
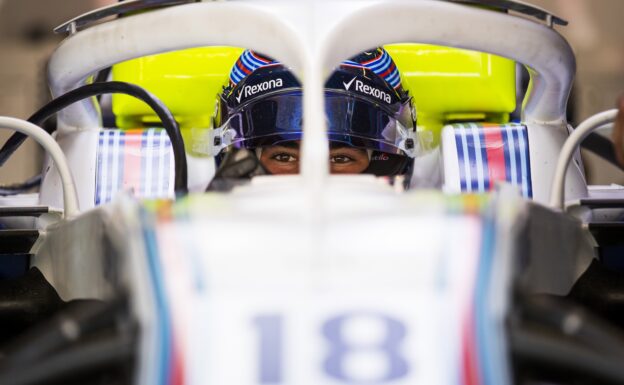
365,104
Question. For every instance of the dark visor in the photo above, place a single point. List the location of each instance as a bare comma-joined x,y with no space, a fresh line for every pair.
351,120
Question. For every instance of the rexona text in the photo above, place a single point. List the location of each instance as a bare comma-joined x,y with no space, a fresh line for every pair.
365,89
248,91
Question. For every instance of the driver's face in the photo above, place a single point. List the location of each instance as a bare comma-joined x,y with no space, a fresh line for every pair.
284,159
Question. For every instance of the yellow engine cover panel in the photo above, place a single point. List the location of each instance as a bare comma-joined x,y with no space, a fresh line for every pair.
447,84
450,84
187,81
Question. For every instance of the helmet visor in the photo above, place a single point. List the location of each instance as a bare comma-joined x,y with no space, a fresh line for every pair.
351,120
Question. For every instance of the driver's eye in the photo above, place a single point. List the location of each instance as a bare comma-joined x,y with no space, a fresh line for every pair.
284,157
340,159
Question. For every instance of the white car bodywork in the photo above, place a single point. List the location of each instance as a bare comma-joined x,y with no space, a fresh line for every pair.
340,243
310,38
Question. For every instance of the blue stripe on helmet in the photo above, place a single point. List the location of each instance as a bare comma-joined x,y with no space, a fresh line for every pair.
238,74
393,77
262,61
233,77
248,55
247,63
375,62
395,84
382,65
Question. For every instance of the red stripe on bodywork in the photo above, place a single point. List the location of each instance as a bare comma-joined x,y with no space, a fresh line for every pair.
470,358
132,161
495,150
176,376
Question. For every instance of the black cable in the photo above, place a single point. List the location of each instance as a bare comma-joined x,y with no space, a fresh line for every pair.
559,352
76,360
13,189
90,90
100,77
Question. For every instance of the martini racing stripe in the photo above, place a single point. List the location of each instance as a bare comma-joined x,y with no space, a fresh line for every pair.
495,155
511,166
464,164
523,154
134,160
253,61
481,166
146,164
259,59
381,65
490,153
247,63
384,67
236,75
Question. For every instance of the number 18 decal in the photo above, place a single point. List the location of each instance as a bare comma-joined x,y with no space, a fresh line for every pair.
270,348
371,339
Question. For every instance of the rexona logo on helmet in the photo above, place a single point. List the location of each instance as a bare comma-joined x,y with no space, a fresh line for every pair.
365,106
368,90
371,74
252,90
255,75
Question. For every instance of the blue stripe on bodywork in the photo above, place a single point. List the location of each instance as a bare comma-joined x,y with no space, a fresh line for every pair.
163,322
156,153
516,152
459,144
472,160
472,157
142,187
506,154
477,145
98,174
486,166
485,325
525,134
523,145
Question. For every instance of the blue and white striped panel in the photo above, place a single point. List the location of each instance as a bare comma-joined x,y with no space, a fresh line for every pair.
108,179
140,161
490,153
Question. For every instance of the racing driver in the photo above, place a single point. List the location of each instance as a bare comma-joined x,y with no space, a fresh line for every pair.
371,119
